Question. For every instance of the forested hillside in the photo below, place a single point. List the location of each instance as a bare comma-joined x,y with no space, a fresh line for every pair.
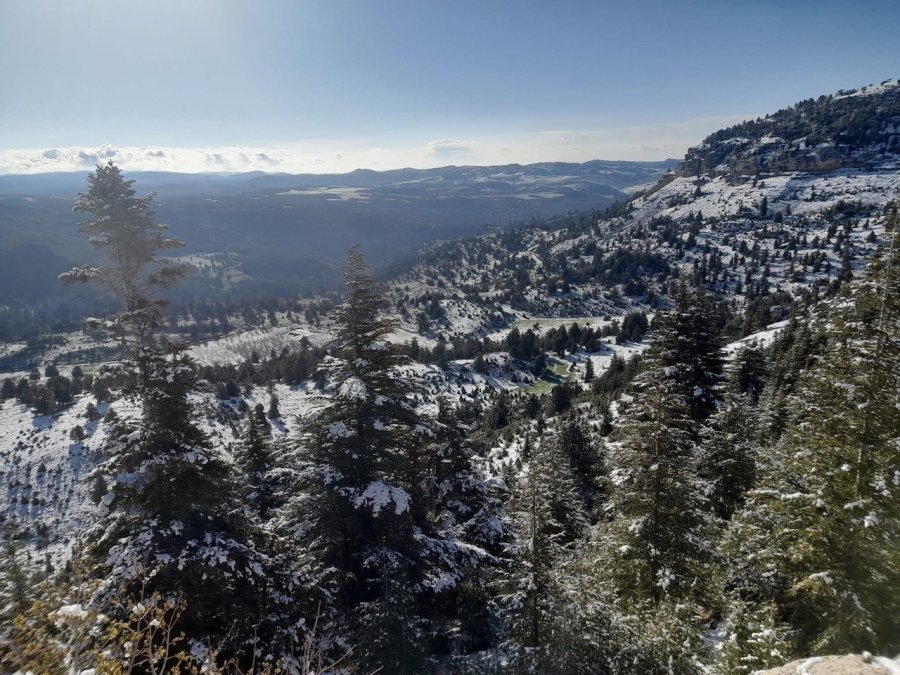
656,437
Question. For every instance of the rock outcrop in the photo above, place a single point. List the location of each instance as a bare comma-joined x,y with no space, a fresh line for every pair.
850,129
851,664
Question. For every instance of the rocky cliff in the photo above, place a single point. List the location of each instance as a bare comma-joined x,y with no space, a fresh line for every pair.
844,130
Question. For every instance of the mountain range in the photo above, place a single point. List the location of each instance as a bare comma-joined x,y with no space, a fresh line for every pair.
281,233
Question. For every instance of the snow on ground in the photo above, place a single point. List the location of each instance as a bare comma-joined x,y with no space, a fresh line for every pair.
238,347
540,324
42,475
11,349
404,334
761,339
570,368
804,193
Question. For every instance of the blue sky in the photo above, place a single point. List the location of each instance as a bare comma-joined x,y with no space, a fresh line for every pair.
333,85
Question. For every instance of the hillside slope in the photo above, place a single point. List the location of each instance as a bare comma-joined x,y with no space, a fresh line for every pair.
764,241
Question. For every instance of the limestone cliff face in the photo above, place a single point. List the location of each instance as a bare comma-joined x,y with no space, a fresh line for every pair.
850,129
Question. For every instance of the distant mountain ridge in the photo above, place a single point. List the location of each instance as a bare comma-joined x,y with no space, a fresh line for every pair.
615,174
280,234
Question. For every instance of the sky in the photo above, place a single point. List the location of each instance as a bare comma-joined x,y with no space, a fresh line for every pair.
336,85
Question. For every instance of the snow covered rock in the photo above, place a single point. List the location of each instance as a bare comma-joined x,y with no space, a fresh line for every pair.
851,664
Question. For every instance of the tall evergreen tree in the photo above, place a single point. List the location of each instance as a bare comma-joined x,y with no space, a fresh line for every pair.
656,547
691,346
747,375
171,522
728,455
820,532
256,462
576,445
550,523
122,226
792,352
655,554
15,588
362,507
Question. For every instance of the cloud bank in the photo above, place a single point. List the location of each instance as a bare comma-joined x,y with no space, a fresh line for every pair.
651,142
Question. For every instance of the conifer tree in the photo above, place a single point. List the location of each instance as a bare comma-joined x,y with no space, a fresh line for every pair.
747,375
255,460
690,345
170,522
728,455
274,413
15,589
122,226
550,523
756,638
656,548
820,532
577,446
464,508
463,503
589,371
361,508
793,350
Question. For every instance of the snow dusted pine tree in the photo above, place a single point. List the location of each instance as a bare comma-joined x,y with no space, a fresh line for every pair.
728,454
171,523
655,554
690,345
792,351
256,461
820,531
122,226
575,443
467,510
748,373
15,587
362,508
656,546
548,515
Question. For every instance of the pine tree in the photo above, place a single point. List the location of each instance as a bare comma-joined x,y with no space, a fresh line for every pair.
690,345
467,509
657,546
77,434
256,462
361,509
274,413
747,374
91,412
463,500
15,589
756,639
728,455
793,351
820,532
586,461
171,520
550,524
123,227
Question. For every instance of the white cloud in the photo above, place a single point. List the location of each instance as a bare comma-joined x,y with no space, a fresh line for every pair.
648,142
449,146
